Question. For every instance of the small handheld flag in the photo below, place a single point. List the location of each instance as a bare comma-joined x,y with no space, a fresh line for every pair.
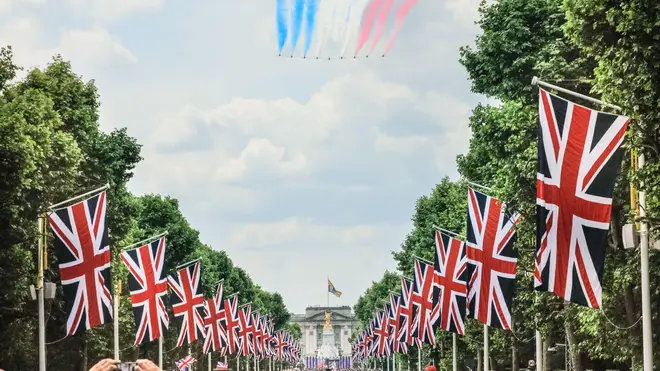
221,366
185,363
332,290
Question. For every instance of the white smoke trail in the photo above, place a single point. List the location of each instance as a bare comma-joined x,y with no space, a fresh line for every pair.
324,20
354,20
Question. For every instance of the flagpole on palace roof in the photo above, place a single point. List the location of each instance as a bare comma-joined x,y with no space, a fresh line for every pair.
647,329
328,292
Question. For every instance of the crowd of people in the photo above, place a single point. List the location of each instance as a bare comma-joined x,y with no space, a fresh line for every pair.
147,365
112,365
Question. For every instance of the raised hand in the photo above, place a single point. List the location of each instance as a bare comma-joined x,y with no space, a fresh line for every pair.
105,365
145,365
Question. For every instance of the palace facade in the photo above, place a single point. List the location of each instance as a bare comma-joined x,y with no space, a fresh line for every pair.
311,325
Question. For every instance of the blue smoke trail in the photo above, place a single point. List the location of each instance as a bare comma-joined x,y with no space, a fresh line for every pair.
296,23
283,10
311,6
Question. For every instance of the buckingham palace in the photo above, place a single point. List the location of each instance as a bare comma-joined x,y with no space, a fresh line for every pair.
311,326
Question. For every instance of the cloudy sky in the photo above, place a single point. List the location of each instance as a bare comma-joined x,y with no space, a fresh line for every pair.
299,169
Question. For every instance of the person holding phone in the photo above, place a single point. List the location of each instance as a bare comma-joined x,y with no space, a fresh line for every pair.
113,365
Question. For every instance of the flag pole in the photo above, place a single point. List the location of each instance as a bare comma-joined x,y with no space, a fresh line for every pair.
539,351
160,352
419,357
328,292
647,330
41,246
485,348
116,318
209,357
537,81
98,190
454,352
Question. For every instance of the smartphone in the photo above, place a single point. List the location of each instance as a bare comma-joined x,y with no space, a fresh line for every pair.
127,366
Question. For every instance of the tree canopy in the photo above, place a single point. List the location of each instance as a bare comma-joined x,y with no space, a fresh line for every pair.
608,49
51,148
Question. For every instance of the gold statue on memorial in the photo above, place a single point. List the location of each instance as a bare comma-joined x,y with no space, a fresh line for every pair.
327,325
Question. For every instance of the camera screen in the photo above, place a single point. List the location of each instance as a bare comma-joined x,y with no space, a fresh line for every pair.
126,366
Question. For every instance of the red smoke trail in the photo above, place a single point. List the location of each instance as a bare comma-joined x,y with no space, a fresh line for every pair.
401,14
369,16
382,18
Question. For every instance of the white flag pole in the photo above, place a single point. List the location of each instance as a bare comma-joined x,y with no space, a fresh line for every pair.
454,352
41,224
539,351
647,330
160,352
209,357
116,318
419,357
485,348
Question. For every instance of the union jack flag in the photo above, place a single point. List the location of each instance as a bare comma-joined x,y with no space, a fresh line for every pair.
579,158
450,282
381,335
188,303
398,346
246,331
257,338
214,310
81,246
221,366
185,363
279,345
147,284
407,314
491,260
232,324
422,301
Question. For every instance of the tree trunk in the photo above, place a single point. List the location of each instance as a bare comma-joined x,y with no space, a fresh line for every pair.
576,359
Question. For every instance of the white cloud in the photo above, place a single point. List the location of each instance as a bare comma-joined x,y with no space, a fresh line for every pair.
112,10
306,253
94,46
298,168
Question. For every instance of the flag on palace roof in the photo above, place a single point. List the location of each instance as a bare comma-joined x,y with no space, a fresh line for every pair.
332,290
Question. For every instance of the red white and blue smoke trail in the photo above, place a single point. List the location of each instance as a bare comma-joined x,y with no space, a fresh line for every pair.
331,27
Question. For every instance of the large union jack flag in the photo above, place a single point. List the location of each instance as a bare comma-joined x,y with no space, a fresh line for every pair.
215,315
407,314
422,300
579,158
188,303
491,260
450,282
147,283
81,246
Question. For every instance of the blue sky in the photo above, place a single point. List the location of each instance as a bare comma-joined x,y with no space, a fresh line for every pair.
299,169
